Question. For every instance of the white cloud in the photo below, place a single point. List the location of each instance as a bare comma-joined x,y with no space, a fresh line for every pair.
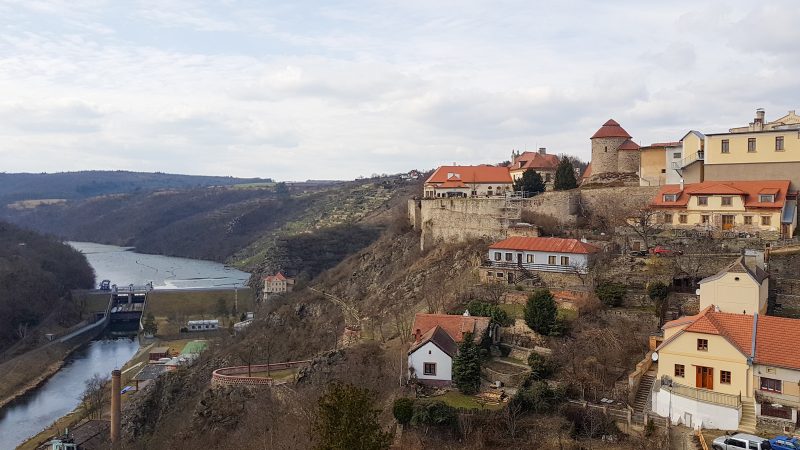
309,89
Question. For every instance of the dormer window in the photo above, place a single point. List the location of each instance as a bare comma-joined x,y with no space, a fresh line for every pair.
766,198
670,197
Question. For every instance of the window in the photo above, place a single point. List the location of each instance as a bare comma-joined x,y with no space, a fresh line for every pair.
683,218
748,220
705,219
702,345
509,256
766,198
727,201
772,385
751,145
489,274
726,146
530,258
547,178
724,377
670,197
551,260
429,368
779,144
730,442
663,170
499,274
766,220
667,218
676,155
565,260
680,370
498,256
702,200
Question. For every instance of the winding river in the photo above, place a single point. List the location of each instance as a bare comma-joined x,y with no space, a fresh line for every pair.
59,395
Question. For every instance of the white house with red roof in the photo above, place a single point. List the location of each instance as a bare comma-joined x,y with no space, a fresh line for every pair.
748,206
277,284
543,163
507,259
436,339
469,181
724,370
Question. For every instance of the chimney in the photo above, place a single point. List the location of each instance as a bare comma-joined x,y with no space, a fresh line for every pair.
115,406
542,150
758,123
681,184
417,335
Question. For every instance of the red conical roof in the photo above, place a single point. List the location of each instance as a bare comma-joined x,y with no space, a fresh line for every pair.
611,129
629,145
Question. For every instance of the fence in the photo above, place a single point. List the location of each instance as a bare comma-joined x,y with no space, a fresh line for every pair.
228,376
624,414
534,267
702,395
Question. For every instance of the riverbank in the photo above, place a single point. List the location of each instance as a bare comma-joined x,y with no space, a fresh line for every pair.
44,361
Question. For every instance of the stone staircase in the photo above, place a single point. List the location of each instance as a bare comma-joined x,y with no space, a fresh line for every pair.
747,423
641,402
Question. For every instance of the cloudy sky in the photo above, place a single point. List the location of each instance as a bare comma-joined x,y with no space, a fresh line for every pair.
337,89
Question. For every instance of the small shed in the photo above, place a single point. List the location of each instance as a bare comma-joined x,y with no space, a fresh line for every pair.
148,373
157,353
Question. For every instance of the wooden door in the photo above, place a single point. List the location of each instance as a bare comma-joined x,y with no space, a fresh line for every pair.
727,222
705,377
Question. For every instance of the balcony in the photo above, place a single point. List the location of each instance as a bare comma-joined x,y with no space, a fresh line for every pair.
693,157
700,395
533,267
777,398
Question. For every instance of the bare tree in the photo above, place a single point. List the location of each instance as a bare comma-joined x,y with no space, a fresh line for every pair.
511,415
22,330
94,396
642,221
403,321
246,353
694,259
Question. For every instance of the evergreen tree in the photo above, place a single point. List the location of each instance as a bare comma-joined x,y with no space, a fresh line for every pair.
346,419
565,175
658,293
541,312
530,182
467,366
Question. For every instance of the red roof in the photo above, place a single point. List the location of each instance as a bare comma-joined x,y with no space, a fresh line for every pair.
749,189
545,244
776,342
588,172
440,338
455,325
471,174
611,129
629,145
663,144
277,277
535,160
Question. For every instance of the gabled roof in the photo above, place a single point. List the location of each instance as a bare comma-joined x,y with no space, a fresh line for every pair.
750,190
588,172
629,145
696,133
611,129
535,161
438,337
471,174
455,325
776,342
739,266
277,277
545,244
663,144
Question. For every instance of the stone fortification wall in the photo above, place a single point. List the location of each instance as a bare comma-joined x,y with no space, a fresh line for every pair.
628,161
609,200
459,219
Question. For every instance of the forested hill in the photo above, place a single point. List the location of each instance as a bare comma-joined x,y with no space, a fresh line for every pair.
294,228
37,273
76,185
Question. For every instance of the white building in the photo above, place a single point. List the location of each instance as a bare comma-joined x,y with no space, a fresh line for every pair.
741,288
505,259
436,339
203,325
469,181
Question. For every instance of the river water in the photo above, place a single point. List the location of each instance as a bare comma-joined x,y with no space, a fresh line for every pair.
60,394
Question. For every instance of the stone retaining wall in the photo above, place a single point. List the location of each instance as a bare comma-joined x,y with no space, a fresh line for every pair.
236,376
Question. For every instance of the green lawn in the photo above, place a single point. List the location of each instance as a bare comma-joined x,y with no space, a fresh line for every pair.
514,310
198,303
459,400
567,315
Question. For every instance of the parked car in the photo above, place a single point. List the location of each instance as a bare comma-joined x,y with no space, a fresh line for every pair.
660,250
739,441
785,443
637,253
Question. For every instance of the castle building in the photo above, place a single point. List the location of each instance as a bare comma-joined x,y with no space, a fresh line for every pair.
613,151
542,162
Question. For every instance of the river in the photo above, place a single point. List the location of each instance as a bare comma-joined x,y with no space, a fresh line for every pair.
59,395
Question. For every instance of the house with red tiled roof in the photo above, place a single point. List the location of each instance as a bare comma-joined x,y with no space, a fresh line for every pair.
510,260
542,162
277,284
726,370
469,181
436,339
741,206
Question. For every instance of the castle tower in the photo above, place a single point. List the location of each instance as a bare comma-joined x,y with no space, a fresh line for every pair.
605,148
628,158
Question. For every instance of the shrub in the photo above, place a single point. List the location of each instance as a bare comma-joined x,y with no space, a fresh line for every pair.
403,410
539,397
483,309
611,293
541,311
433,413
541,367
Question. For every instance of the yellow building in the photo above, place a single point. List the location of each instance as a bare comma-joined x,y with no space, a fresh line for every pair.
736,206
723,370
742,287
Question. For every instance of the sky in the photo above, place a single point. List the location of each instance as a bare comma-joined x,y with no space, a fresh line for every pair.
338,89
